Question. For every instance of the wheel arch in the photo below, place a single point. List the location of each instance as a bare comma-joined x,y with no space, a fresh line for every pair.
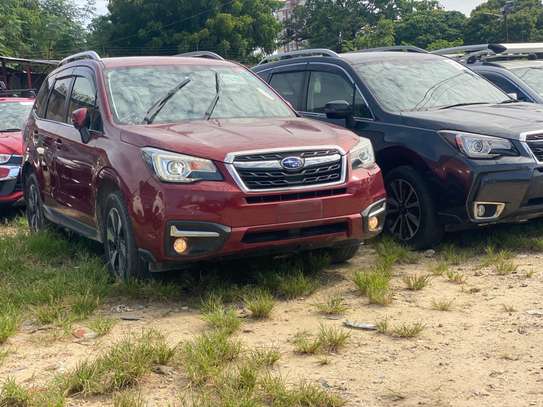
107,181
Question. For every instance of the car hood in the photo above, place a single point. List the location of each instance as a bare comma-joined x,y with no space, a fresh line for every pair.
509,120
11,143
213,139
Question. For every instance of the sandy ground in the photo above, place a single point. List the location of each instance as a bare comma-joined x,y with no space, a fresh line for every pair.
477,354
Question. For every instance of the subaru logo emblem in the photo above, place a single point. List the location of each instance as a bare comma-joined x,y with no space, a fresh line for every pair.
292,163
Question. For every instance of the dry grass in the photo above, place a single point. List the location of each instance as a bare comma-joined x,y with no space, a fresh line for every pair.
415,282
442,305
333,305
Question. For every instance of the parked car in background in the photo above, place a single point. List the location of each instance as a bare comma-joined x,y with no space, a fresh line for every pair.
172,160
14,112
455,150
517,69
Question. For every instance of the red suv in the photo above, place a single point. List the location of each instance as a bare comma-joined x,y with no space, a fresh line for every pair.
13,113
172,160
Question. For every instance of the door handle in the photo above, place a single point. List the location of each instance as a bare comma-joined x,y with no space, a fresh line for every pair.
58,141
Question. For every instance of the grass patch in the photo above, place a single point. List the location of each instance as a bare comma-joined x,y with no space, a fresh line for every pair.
220,317
505,267
442,305
404,330
260,303
328,340
13,395
9,320
415,282
455,277
391,252
306,344
375,284
101,325
334,305
128,398
264,357
453,254
440,268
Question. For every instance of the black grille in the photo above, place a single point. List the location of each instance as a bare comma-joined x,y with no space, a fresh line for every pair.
286,234
535,142
309,175
295,196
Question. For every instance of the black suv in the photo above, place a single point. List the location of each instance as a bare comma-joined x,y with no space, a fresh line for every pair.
517,69
455,150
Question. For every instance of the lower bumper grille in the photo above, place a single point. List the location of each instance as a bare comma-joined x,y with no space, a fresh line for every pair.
286,234
535,143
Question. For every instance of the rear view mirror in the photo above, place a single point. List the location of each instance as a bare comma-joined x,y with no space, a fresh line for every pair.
81,121
338,109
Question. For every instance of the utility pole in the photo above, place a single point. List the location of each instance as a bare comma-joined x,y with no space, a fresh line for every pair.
506,10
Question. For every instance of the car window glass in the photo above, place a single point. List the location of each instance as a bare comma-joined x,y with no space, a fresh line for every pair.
13,115
41,99
84,96
56,107
500,82
326,87
133,90
291,86
420,82
361,109
533,76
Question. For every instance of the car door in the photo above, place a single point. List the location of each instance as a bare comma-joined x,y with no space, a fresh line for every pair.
75,160
47,132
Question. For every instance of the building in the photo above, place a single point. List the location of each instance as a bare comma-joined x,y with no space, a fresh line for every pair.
283,14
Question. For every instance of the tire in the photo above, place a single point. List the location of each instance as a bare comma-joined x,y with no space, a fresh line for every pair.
34,205
411,215
122,256
343,254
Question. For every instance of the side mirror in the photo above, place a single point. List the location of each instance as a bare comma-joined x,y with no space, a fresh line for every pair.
81,121
338,109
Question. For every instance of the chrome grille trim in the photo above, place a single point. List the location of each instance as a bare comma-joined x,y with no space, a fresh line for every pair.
533,144
340,157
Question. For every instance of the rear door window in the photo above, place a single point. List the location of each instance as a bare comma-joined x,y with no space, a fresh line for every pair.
56,107
291,86
326,87
41,99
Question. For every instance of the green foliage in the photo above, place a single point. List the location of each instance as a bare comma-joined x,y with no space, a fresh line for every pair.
233,29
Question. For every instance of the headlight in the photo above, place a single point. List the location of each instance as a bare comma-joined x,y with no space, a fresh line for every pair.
479,146
172,167
362,154
4,158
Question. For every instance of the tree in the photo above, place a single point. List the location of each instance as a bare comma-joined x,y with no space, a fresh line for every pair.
233,28
382,35
42,28
423,28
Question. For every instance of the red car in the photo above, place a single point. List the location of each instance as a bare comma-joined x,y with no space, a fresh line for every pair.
172,160
13,113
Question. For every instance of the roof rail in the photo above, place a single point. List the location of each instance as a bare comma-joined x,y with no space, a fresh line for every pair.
396,48
201,54
314,52
81,55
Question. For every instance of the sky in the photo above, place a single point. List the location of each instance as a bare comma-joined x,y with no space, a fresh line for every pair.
465,6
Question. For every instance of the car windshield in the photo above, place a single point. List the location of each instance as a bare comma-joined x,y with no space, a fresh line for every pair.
533,76
13,115
134,90
412,84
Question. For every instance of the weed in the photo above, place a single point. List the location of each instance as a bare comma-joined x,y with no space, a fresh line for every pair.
221,317
505,267
374,284
453,255
265,357
13,395
442,305
408,331
306,344
456,277
439,268
3,355
383,326
204,357
128,398
9,320
391,252
530,274
296,285
260,303
332,339
101,325
415,282
509,308
334,305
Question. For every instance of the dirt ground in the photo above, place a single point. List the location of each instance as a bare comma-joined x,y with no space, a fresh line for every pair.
476,354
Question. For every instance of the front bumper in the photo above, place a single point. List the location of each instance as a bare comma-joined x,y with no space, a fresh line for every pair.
11,190
218,220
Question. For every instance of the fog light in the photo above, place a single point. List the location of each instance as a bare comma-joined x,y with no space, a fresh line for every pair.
373,223
180,245
481,210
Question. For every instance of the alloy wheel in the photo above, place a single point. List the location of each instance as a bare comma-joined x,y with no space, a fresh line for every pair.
33,209
404,210
116,243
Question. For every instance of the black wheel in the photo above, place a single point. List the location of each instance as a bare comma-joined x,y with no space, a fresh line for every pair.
34,207
344,253
411,215
120,248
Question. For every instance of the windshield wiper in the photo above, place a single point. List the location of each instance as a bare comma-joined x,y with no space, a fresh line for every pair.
463,104
213,104
160,103
9,130
505,102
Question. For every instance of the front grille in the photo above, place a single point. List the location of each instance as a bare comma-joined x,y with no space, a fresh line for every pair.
535,143
264,171
287,234
296,196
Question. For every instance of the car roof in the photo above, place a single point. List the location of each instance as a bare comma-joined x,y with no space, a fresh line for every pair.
154,61
520,63
361,57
